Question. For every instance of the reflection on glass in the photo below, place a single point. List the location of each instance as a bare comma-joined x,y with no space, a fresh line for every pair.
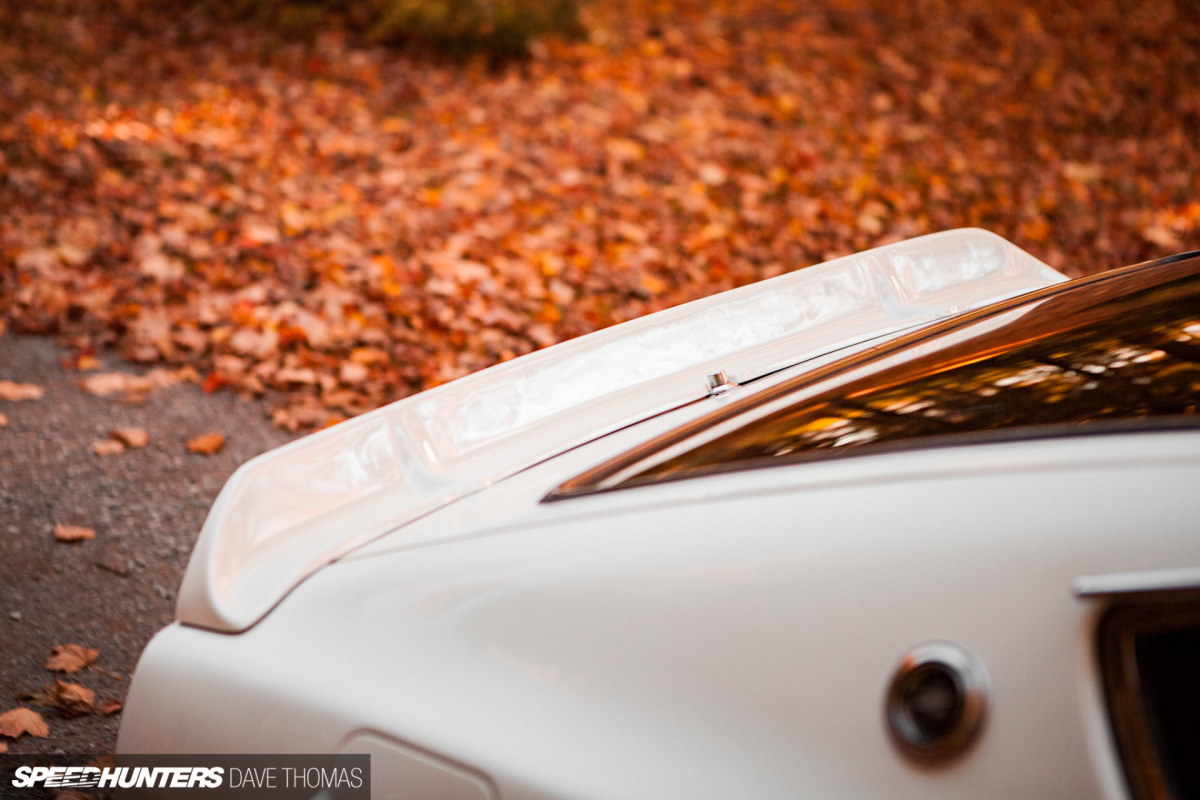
1102,354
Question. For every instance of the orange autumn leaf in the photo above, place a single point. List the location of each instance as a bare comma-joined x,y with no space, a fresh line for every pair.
104,384
207,443
71,699
70,658
107,447
19,721
16,392
73,533
131,437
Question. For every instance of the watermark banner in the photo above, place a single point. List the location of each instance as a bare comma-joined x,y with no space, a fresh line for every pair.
186,777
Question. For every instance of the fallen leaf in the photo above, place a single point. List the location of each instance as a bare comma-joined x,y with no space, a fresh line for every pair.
206,444
71,699
296,376
70,658
712,174
3,748
75,699
3,420
160,378
1082,173
1160,235
107,447
625,149
301,415
111,707
352,373
73,533
161,268
20,391
131,437
368,356
103,384
22,720
258,233
653,284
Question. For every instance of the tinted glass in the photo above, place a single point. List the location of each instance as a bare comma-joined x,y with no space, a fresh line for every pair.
1168,666
1094,355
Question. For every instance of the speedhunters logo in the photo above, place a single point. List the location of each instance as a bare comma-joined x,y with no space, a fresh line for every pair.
119,777
278,777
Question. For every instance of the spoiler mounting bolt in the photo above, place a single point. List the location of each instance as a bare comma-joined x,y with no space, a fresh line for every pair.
719,383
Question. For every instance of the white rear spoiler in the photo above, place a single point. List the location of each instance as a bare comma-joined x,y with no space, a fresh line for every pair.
288,512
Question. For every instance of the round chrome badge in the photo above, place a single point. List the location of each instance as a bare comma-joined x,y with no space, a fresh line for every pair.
936,702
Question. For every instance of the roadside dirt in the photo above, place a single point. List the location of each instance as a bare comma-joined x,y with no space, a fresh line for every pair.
146,506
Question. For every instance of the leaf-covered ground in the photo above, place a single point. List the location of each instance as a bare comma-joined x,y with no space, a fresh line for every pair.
344,226
94,539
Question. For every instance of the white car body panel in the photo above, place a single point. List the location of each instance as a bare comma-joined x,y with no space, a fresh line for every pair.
506,615
725,660
286,513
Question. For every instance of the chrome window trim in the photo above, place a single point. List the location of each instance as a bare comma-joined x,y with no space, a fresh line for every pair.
1126,583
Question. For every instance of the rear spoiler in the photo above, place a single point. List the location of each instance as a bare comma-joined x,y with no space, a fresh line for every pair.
286,513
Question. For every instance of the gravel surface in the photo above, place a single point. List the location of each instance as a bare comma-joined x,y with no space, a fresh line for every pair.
146,506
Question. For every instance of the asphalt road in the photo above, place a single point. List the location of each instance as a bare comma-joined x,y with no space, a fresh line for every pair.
146,506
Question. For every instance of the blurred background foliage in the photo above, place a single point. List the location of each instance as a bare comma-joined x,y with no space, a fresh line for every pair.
337,223
499,27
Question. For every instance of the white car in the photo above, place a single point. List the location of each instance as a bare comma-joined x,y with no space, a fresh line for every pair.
922,522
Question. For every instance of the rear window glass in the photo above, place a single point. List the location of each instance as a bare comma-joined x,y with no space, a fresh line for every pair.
1107,353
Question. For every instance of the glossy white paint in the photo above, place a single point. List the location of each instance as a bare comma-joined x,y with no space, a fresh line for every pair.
288,512
730,636
421,774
